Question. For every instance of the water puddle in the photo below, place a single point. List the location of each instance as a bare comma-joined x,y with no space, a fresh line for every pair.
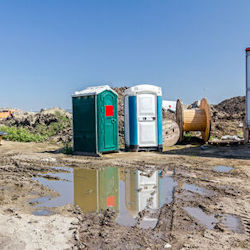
229,221
127,191
43,212
2,188
206,220
193,188
61,182
223,169
232,222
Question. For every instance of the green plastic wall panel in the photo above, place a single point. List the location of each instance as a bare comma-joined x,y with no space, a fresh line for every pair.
84,124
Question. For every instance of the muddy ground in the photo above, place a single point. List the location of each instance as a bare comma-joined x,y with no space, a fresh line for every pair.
223,194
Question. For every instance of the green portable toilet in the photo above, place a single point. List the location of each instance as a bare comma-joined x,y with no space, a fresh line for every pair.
95,120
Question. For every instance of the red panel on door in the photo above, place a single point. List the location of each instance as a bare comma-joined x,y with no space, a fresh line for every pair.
109,111
111,201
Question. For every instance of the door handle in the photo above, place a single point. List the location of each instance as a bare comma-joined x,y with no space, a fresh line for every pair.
147,118
113,120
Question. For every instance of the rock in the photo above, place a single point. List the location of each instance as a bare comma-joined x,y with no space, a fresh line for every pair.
194,105
167,246
49,159
230,137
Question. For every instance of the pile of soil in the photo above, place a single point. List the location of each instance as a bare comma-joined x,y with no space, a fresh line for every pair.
120,92
234,106
228,117
41,121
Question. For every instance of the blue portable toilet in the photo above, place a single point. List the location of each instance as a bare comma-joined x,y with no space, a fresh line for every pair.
143,118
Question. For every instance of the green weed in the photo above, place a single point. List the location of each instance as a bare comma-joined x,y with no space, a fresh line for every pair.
67,149
38,133
212,137
21,135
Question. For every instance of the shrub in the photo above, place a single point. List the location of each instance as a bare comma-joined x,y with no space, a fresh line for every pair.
21,134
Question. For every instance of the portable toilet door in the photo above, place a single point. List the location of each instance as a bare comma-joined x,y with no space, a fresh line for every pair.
95,120
143,118
107,116
147,120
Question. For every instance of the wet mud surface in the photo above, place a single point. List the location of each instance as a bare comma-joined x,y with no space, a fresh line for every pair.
223,169
178,200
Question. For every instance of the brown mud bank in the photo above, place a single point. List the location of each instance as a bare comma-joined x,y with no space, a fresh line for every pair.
186,197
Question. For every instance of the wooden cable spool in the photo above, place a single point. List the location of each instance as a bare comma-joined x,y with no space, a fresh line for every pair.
198,119
171,132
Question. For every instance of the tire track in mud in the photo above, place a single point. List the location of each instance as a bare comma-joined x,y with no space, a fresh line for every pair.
173,214
245,222
166,218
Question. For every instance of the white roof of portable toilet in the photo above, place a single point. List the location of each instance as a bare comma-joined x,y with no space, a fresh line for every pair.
142,89
93,91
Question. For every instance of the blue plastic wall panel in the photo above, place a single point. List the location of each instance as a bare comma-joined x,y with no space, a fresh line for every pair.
159,114
132,121
126,121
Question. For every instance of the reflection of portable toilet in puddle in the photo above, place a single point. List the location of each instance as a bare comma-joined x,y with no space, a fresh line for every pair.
143,118
139,190
95,120
96,190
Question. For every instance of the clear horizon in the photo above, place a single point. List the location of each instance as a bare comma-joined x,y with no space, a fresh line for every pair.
192,49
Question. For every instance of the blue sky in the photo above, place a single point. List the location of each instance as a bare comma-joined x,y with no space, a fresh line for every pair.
51,48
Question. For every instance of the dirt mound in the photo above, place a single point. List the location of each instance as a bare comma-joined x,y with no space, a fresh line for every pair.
120,92
52,124
234,106
228,117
